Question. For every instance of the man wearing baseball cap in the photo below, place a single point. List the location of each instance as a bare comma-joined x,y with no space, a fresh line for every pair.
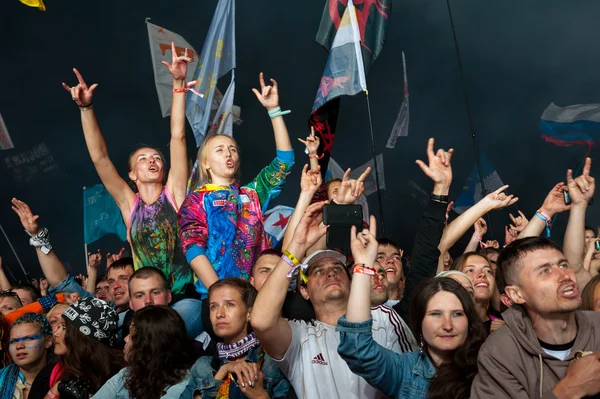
307,352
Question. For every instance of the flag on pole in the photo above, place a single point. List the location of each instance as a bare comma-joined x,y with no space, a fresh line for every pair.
160,49
216,59
5,140
471,192
101,215
344,74
401,125
371,19
571,125
276,221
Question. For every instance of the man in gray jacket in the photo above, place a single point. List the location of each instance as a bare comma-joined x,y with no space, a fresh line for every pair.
546,348
533,354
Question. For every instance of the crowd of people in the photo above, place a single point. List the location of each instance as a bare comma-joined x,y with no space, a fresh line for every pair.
204,308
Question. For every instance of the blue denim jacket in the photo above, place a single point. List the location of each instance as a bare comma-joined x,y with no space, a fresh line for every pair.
202,380
115,388
396,375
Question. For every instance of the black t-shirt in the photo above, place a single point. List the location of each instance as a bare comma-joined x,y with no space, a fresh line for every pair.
41,384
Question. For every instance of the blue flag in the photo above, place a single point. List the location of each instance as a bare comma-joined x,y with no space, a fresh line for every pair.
471,192
101,215
216,59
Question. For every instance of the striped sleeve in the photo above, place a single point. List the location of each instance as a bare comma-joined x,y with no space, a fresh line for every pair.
399,338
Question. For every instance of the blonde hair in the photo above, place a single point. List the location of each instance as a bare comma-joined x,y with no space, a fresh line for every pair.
203,154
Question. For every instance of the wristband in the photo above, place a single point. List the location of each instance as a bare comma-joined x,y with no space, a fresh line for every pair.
362,269
86,107
318,157
53,395
41,241
546,218
274,113
288,258
481,243
440,198
179,90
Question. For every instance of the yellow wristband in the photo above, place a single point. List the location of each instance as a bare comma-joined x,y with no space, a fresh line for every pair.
291,257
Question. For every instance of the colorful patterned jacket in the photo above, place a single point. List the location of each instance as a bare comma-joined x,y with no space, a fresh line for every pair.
225,223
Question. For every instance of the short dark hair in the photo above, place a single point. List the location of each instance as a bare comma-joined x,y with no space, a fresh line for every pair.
246,290
267,252
591,229
35,293
388,242
507,268
121,264
147,272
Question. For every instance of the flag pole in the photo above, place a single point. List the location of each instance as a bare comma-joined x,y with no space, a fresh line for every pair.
379,200
16,256
461,72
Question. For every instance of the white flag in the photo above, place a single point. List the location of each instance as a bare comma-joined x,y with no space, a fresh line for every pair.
223,117
275,222
160,49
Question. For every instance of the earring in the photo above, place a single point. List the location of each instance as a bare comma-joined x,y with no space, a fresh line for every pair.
421,346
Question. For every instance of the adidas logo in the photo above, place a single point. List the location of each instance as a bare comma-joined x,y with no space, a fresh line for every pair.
319,359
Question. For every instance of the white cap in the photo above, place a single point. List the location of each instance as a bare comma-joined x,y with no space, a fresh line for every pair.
324,253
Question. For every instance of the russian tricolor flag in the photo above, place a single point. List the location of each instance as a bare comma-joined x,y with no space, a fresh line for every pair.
572,125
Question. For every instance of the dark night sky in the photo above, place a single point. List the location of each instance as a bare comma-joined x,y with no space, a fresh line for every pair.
518,57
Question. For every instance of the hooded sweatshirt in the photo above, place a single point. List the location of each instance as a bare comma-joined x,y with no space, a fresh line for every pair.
512,364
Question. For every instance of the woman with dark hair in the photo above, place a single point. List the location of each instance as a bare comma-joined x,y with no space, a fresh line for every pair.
158,354
442,316
591,296
240,368
478,268
151,214
82,340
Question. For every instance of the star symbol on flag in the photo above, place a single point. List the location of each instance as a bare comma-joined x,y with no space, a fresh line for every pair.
282,222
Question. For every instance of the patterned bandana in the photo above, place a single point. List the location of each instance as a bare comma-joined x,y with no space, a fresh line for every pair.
237,349
94,318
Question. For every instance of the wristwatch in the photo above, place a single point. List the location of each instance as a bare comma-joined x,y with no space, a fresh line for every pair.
440,198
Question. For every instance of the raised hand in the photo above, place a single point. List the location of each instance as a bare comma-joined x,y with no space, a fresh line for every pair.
94,259
179,64
499,200
81,94
310,228
582,188
44,285
28,219
439,169
311,180
448,209
510,235
351,189
519,222
312,142
480,227
268,95
492,244
364,244
112,258
555,201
